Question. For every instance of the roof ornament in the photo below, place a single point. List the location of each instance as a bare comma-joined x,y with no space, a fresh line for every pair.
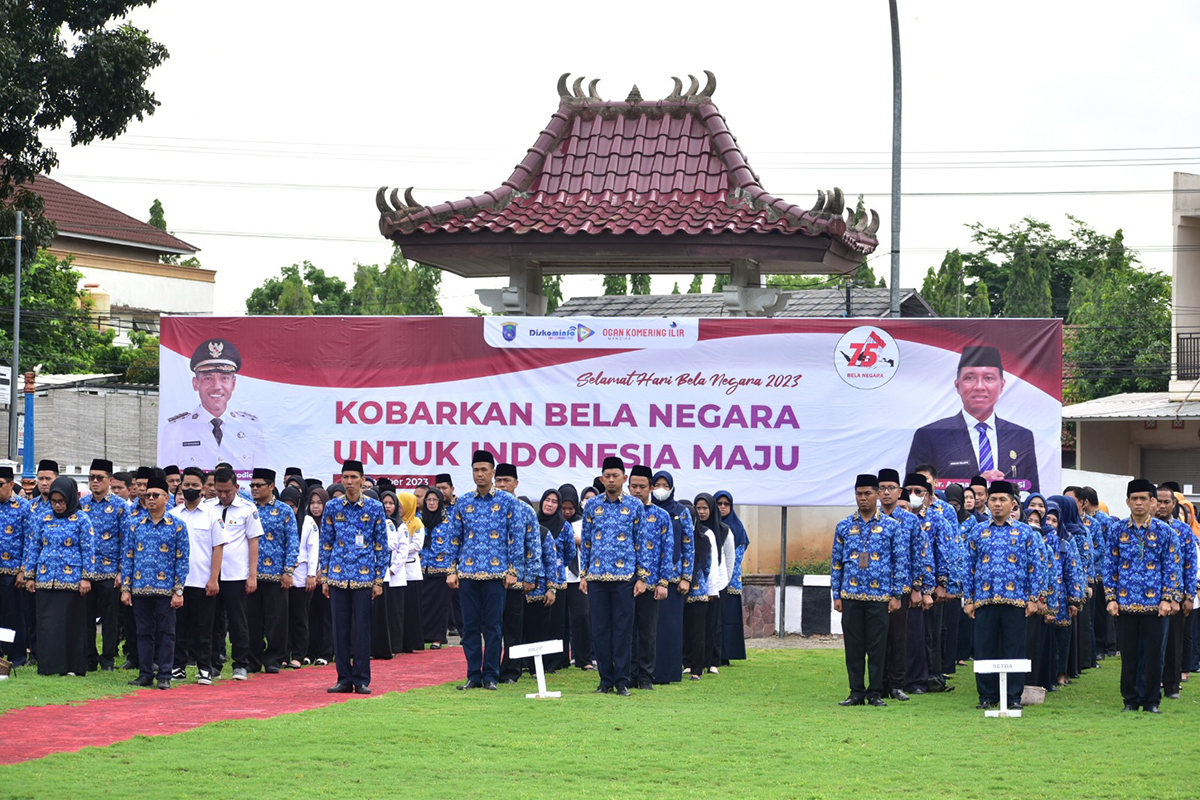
677,92
709,87
592,91
577,87
562,86
408,198
695,86
635,95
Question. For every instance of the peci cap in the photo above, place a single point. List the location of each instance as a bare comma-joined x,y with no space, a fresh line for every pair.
613,462
350,465
102,464
1002,487
267,475
1140,485
979,480
216,355
48,464
483,457
917,479
443,477
889,475
6,473
158,482
980,356
171,469
506,470
866,480
144,473
641,471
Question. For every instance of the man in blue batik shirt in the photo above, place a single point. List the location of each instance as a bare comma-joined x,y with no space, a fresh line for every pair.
1185,557
657,539
278,550
352,564
107,513
918,584
14,521
513,625
868,570
487,541
613,573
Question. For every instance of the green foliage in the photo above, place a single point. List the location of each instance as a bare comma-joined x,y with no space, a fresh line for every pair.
137,363
696,286
615,286
979,305
158,217
328,294
810,566
796,283
69,62
552,289
720,281
676,289
639,283
1028,290
949,295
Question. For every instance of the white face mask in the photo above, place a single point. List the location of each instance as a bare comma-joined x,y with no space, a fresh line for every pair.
916,501
661,494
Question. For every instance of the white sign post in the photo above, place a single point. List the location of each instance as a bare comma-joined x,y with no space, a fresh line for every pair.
1003,667
537,650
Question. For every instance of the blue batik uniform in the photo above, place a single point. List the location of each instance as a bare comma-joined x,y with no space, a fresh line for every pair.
946,557
534,567
1182,555
436,552
1064,578
565,544
1102,541
354,548
555,575
487,537
279,545
611,550
61,550
14,532
1005,565
869,559
735,579
108,523
1139,575
155,561
657,538
916,543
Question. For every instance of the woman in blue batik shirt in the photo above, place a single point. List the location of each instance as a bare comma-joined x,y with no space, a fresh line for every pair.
61,548
435,561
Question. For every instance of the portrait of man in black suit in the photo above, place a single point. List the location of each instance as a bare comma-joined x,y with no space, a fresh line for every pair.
974,441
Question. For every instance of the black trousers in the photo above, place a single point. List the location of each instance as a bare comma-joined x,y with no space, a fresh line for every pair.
193,630
865,635
558,630
611,606
220,633
233,601
381,628
1172,674
351,609
694,615
999,633
1087,636
1103,628
535,627
512,629
103,602
897,640
155,620
397,618
645,634
320,627
951,623
1144,631
12,616
267,617
435,607
1034,648
716,617
413,639
29,611
299,600
579,619
128,629
933,638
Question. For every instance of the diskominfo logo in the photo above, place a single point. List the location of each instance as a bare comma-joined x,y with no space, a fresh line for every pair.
866,357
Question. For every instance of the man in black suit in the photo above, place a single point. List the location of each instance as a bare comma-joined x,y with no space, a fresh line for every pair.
975,441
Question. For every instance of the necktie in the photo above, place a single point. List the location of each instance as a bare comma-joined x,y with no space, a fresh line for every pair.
985,448
224,509
217,433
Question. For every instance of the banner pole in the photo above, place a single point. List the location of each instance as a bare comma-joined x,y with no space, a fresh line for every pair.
782,571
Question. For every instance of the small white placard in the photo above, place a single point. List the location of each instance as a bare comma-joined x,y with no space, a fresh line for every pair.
1011,665
7,635
536,649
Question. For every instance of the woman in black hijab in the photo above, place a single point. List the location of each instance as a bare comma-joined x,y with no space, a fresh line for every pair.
320,615
577,624
60,550
669,646
551,517
707,517
436,595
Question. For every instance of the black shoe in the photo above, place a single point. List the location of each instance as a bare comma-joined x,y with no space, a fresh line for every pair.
341,688
898,694
271,670
602,690
852,701
877,701
646,686
509,681
1152,709
163,683
918,690
490,686
127,665
1014,706
1173,695
469,685
985,705
363,689
1054,687
141,680
623,691
1129,707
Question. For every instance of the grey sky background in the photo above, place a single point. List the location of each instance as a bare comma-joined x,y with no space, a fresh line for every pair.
279,120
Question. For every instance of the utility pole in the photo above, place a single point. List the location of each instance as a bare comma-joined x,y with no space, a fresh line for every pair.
895,221
12,375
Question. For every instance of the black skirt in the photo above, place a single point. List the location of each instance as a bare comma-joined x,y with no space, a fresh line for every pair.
733,643
61,632
381,640
435,608
413,637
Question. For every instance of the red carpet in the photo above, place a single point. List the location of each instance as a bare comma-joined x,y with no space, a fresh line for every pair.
150,712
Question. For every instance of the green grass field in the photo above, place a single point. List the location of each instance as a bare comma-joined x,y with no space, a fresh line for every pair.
769,727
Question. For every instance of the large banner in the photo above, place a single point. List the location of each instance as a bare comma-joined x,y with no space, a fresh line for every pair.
777,411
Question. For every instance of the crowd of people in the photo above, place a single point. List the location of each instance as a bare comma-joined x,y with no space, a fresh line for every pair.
926,579
188,568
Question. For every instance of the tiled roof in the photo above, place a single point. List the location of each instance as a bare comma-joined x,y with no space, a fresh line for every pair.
662,166
1133,406
76,213
805,303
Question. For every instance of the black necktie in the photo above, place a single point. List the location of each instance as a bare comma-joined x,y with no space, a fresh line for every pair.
217,434
224,509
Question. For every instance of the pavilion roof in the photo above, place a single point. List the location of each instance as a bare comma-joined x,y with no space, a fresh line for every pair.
629,186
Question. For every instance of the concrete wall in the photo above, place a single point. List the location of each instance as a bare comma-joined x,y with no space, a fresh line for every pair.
1185,292
74,426
1116,446
810,534
134,278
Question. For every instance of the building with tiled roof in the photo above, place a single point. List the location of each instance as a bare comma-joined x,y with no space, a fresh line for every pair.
631,186
806,303
121,260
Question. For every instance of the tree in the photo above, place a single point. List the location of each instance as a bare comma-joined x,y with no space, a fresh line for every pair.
294,297
328,294
720,282
676,289
696,286
1028,289
615,286
864,277
552,289
979,305
158,219
639,283
69,61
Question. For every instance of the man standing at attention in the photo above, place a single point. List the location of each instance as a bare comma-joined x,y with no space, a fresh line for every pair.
487,549
278,549
240,530
611,559
656,545
353,564
107,513
868,573
1005,577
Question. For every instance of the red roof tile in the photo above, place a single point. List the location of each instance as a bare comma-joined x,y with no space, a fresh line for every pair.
76,213
664,166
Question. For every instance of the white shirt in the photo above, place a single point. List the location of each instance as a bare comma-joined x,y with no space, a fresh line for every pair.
991,435
398,545
189,440
412,567
576,529
240,524
714,565
310,549
204,533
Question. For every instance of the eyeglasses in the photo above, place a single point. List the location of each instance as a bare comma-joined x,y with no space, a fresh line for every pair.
155,495
99,477
723,503
258,485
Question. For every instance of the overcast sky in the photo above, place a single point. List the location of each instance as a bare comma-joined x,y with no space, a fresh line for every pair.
279,120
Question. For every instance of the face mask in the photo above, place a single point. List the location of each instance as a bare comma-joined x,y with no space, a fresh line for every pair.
916,501
191,495
661,494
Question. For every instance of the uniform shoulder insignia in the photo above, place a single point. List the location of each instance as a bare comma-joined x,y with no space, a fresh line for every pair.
177,416
244,415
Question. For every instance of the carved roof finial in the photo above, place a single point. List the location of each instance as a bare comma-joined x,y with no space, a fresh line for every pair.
635,96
